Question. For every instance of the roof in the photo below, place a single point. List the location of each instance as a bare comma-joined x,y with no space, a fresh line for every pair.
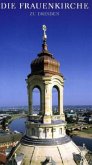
2,158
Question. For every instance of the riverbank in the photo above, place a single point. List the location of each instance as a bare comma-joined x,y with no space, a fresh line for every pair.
10,137
83,133
18,125
17,116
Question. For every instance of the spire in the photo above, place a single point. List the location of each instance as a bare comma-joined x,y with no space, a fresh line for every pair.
44,45
44,51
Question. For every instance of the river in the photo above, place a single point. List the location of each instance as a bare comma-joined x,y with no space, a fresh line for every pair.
19,125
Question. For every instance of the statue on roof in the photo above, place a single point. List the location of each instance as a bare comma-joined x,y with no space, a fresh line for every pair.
44,35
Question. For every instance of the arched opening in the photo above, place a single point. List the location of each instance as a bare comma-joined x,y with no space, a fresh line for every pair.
55,100
36,100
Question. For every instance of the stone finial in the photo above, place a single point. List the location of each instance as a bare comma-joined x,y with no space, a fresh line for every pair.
44,45
44,30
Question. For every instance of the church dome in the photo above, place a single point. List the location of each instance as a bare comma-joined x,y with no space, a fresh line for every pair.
45,64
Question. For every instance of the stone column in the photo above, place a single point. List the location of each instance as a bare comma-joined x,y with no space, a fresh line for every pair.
47,103
48,106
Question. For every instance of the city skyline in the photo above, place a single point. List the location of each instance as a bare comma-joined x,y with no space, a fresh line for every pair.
69,40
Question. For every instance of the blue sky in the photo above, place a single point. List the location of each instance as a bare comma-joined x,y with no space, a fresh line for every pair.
69,40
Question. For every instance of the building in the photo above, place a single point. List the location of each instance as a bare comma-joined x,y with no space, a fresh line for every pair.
45,141
71,116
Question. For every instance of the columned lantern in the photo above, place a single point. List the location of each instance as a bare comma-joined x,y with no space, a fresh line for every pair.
45,75
45,140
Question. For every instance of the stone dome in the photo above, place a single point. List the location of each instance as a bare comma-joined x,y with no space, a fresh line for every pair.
45,63
65,154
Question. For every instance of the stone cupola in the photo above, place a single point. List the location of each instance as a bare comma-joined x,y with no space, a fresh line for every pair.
45,75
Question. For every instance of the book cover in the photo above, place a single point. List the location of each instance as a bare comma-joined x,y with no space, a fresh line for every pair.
69,39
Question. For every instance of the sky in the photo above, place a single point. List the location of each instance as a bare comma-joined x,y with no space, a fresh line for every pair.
69,40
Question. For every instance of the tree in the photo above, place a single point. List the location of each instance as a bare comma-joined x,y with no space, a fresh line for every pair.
3,123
